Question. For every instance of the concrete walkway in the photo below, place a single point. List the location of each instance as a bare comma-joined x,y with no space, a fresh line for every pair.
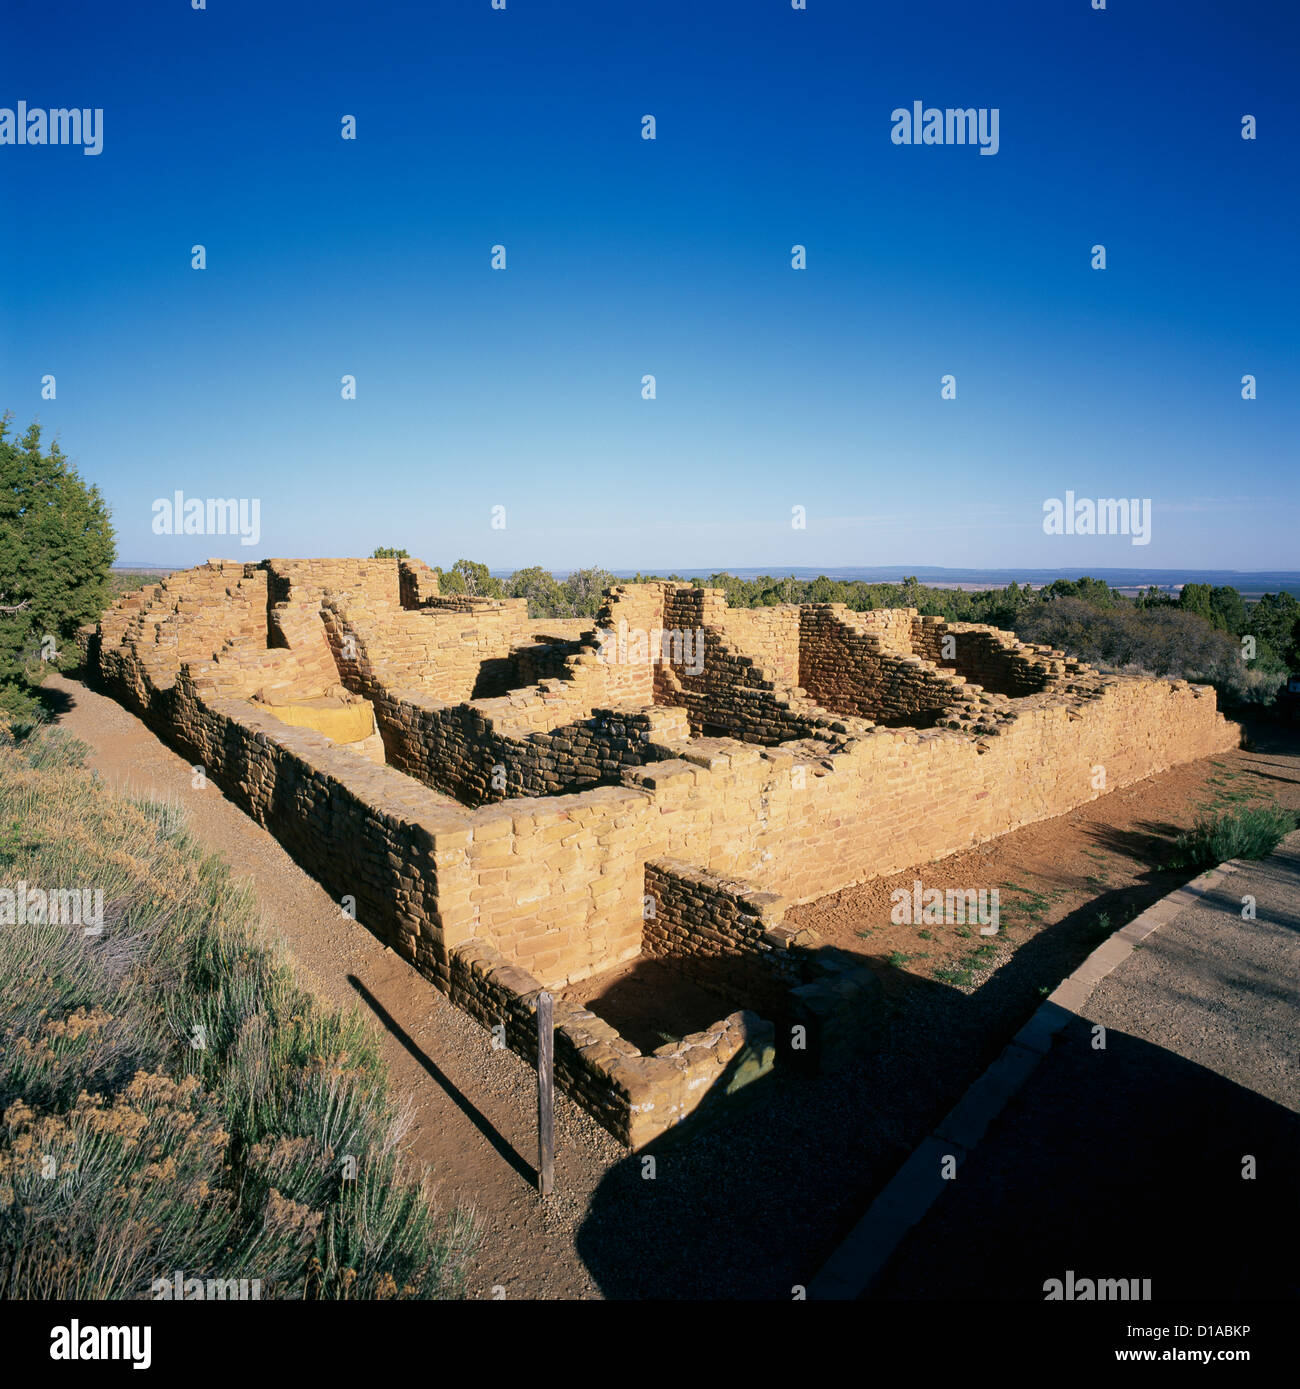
1144,1125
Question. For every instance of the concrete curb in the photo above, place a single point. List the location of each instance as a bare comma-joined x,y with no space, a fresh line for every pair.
919,1183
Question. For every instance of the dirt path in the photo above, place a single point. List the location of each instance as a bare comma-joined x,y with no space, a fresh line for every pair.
473,1109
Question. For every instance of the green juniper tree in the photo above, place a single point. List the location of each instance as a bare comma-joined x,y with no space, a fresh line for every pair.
545,597
56,547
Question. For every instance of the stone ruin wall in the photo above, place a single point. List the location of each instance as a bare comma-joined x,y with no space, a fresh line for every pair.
504,891
860,667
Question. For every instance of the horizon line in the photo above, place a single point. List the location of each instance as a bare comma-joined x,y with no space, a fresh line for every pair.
825,571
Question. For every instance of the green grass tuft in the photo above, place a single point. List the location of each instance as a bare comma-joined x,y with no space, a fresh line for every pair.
962,978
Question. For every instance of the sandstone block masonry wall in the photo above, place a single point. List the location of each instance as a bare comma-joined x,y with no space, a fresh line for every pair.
861,664
546,739
994,660
629,614
804,802
366,832
301,581
890,799
736,697
892,627
542,660
637,1098
726,925
701,913
447,654
147,636
457,749
734,694
825,1004
417,583
480,651
771,635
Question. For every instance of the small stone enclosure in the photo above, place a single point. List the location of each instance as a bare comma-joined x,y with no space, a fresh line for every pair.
516,804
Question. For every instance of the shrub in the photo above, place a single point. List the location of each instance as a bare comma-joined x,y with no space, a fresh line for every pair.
1164,641
172,1099
1241,684
43,746
1241,832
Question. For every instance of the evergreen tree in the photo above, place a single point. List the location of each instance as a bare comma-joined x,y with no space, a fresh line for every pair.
545,597
478,582
56,547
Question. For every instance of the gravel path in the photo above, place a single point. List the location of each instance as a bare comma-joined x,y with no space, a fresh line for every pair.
1131,1161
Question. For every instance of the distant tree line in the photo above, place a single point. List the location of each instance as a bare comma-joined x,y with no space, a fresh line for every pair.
578,595
1207,633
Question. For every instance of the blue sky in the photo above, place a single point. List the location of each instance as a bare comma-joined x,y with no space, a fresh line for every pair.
776,388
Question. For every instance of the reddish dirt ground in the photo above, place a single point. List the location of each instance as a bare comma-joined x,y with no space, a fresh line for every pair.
1089,871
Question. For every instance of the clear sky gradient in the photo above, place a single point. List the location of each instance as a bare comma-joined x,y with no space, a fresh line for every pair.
775,388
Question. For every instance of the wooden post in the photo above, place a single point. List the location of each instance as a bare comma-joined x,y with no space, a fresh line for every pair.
545,1093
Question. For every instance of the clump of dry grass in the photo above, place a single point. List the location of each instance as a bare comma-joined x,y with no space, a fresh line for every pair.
171,1098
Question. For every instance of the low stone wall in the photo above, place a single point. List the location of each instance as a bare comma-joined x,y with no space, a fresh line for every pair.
402,655
417,583
736,697
459,751
771,635
888,799
554,883
447,655
892,627
540,660
366,832
303,581
147,636
828,1004
637,1098
699,913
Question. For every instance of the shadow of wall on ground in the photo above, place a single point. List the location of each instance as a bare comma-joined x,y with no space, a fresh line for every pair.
1122,1163
750,1206
752,1210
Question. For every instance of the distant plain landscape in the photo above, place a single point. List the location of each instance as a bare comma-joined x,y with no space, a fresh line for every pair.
1130,582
